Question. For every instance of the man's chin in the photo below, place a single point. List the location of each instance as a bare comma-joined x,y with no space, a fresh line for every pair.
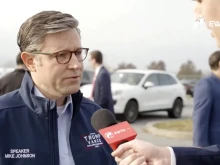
72,90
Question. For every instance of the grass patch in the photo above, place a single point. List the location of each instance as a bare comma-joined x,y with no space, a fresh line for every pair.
185,125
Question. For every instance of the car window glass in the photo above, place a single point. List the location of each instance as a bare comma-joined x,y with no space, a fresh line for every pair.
165,79
127,78
152,78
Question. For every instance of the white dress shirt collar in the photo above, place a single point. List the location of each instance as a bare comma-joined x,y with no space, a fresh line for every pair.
97,70
61,109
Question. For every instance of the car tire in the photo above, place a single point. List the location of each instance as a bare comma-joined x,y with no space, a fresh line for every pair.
176,111
131,111
189,92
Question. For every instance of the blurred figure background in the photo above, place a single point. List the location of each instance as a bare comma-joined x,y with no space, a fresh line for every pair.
101,86
206,121
12,80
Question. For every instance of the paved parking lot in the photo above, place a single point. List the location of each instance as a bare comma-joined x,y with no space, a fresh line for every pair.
157,116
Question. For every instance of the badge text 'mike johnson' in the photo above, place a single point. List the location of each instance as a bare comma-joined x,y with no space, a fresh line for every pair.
19,153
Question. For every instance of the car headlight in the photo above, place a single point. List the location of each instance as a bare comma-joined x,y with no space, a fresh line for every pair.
118,92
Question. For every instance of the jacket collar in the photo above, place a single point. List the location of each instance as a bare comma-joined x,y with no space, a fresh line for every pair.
40,105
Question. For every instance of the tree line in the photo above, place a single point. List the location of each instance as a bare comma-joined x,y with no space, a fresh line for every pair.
187,70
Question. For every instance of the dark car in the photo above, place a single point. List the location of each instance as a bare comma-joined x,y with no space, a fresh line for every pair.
87,77
189,86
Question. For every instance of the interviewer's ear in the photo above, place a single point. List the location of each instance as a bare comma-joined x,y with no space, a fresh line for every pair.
28,60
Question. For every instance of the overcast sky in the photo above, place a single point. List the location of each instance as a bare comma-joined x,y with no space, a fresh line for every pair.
137,31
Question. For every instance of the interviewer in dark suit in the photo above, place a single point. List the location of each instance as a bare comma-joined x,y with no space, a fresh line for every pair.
101,91
139,152
206,115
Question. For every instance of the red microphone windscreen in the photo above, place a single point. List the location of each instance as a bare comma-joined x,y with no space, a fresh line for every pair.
114,133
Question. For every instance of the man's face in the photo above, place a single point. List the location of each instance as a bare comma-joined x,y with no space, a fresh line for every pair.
210,11
59,79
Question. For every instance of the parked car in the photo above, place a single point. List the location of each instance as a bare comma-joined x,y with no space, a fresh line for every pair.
87,77
189,86
138,91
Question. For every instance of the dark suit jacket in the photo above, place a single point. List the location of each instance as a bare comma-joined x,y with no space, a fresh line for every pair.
102,90
197,156
206,116
11,81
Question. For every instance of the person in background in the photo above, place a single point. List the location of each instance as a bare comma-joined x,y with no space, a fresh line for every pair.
12,80
101,88
206,114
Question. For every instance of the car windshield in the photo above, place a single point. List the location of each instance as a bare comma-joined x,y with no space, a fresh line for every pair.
126,78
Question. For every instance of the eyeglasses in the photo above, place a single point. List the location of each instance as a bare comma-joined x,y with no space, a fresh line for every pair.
64,56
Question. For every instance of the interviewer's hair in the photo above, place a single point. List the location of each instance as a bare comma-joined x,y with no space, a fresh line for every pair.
214,60
33,31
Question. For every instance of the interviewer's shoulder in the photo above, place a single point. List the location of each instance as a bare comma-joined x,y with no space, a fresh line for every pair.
10,100
204,81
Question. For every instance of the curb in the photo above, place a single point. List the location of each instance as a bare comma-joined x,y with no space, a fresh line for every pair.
149,128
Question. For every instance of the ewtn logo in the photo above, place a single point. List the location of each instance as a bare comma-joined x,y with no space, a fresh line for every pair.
214,23
109,135
199,23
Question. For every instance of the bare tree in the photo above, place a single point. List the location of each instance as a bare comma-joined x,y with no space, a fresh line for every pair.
157,65
126,66
189,70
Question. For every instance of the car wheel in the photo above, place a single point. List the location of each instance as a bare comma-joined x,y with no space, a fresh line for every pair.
176,111
131,111
191,94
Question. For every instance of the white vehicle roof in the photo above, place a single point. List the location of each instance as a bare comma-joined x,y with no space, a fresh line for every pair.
142,71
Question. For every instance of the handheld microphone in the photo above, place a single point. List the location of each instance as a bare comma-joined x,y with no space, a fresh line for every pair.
114,133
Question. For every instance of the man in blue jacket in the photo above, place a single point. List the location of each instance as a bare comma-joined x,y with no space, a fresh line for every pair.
47,121
206,106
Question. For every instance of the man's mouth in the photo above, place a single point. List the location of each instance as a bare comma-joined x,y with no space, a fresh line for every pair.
73,77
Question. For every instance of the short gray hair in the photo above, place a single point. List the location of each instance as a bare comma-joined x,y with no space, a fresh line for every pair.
33,31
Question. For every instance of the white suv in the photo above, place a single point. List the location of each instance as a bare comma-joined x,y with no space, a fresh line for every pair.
136,91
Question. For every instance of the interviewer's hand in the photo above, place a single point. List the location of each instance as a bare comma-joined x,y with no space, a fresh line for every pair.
153,155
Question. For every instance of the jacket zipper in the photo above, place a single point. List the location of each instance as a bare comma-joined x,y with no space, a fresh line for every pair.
76,108
52,135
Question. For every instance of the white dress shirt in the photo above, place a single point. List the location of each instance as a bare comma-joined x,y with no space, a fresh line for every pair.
97,70
64,122
173,157
93,81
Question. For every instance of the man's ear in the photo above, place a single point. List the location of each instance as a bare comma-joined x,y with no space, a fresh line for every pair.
28,60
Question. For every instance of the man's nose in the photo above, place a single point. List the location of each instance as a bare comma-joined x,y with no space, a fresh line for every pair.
74,63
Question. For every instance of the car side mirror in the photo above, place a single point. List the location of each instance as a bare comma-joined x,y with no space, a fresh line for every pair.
148,84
